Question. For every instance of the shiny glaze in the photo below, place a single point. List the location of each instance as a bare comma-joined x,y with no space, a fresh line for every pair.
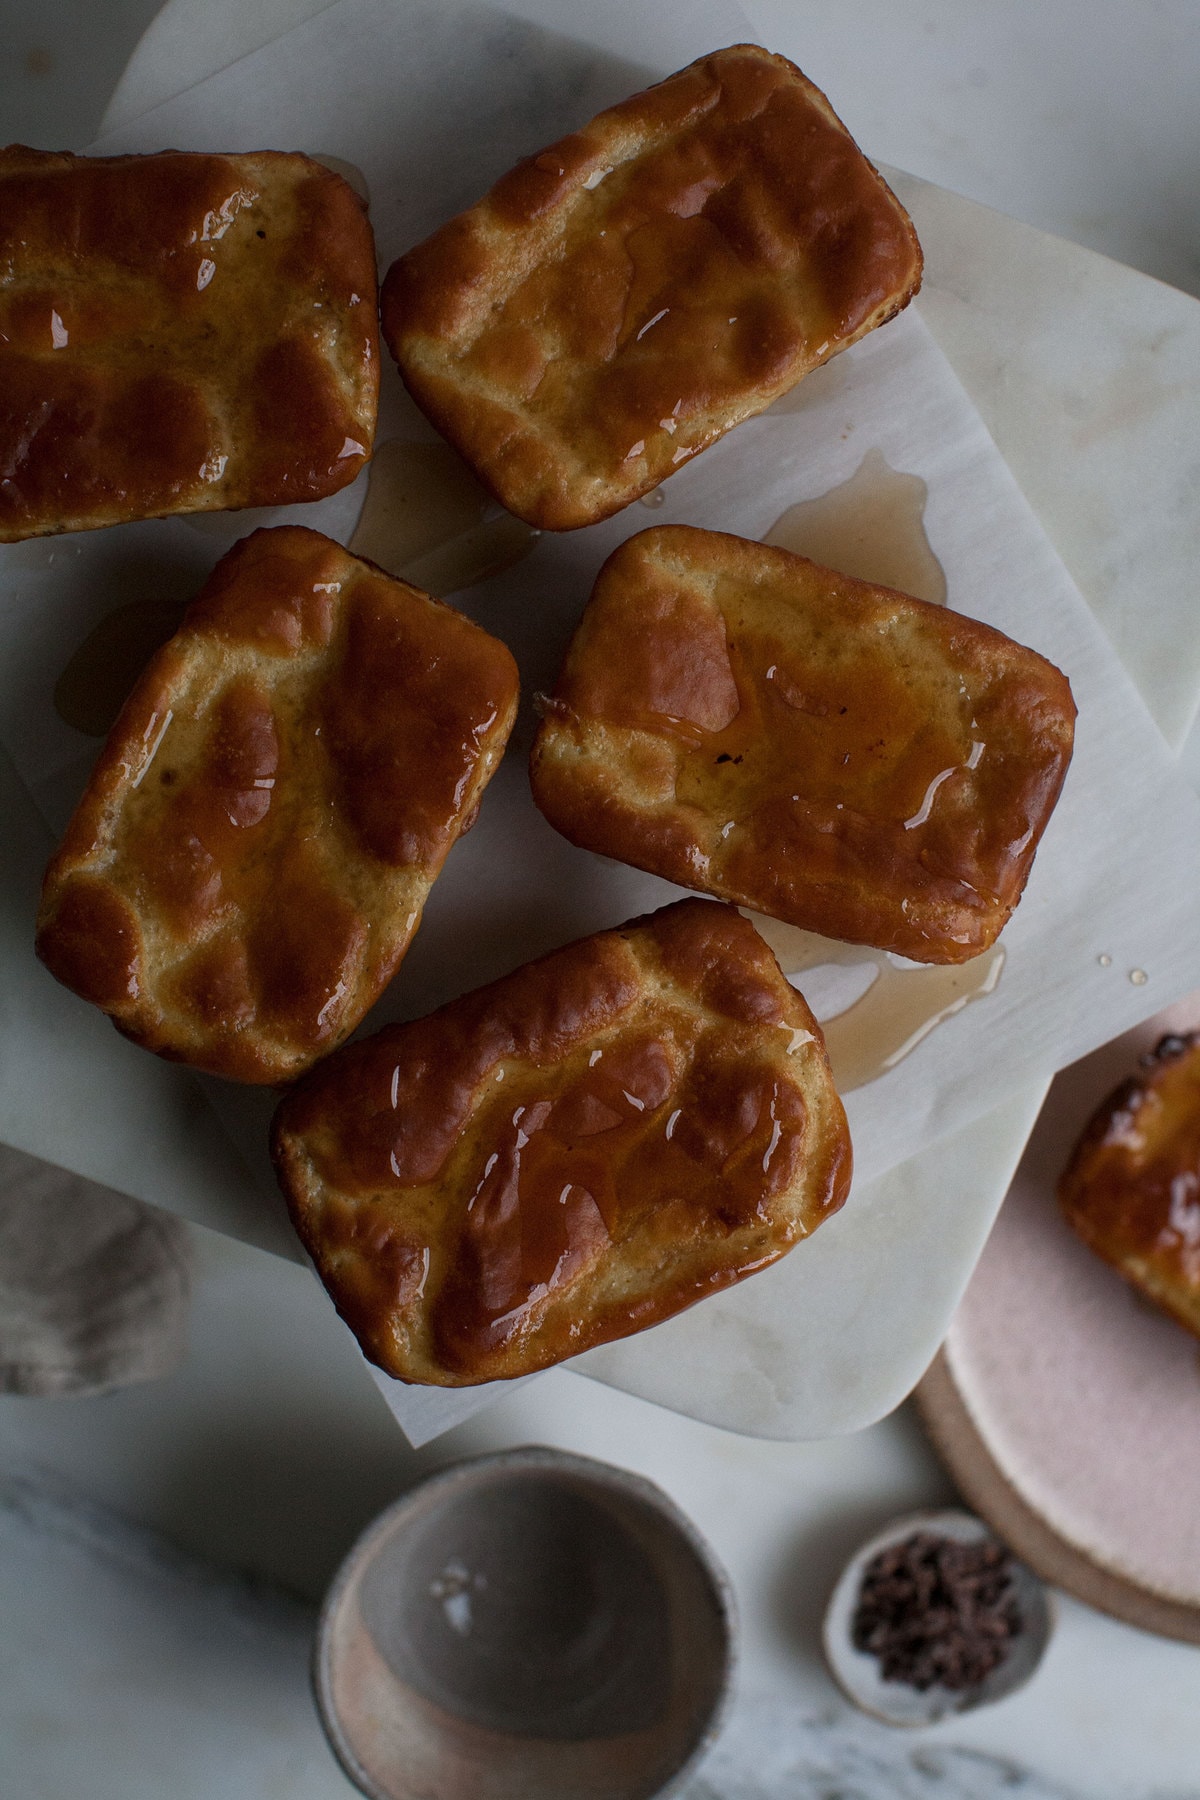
418,697
585,1147
1132,1186
620,300
179,333
831,753
617,1142
280,790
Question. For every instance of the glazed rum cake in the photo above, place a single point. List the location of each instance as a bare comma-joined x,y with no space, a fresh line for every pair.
253,851
1132,1187
576,1152
618,302
179,333
859,763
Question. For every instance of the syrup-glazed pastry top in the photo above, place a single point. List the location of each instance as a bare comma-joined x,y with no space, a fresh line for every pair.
854,761
1132,1186
619,301
179,333
253,851
578,1151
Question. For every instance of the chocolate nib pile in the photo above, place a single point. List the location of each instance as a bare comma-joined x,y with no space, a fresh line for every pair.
935,1611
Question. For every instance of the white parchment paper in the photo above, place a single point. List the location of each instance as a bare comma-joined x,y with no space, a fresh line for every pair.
431,114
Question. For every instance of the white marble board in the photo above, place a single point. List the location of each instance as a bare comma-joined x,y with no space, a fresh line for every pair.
846,1306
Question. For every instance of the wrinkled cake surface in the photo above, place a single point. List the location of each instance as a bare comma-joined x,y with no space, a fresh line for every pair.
573,1153
179,333
1132,1187
257,840
859,763
619,301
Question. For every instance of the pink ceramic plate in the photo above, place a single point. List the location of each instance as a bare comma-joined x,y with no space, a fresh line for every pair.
1066,1406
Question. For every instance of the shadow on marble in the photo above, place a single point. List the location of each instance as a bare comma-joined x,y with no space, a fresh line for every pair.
144,1671
809,1568
60,64
276,1486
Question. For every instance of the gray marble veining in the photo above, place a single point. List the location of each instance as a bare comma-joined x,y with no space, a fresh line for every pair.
174,1659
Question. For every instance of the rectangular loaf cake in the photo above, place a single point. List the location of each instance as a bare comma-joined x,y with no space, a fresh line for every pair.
179,333
1132,1186
838,755
253,851
619,301
569,1155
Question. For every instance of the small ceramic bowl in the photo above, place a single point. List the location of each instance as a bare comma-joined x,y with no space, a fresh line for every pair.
528,1626
857,1672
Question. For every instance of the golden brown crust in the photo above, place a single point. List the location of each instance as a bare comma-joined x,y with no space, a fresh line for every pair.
179,333
619,301
1132,1187
576,1152
251,856
859,763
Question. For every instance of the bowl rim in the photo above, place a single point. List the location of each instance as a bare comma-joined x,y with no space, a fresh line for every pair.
951,1521
538,1460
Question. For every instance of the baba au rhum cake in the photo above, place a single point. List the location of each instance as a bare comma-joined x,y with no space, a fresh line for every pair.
257,840
1132,1187
619,301
859,763
179,333
573,1153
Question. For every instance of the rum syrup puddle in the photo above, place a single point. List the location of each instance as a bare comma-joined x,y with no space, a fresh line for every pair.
873,527
899,1009
427,520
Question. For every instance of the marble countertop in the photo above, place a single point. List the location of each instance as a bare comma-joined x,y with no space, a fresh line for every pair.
136,1661
162,1550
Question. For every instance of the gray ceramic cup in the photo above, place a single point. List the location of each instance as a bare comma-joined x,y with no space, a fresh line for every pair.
528,1626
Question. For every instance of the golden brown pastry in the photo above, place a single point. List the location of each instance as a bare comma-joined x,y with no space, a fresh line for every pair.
271,808
859,763
179,333
578,1151
618,302
1132,1187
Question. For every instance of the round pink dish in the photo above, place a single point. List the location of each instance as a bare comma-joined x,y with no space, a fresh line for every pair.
1067,1406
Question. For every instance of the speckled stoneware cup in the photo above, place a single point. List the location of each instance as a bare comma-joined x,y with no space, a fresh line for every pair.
857,1672
528,1626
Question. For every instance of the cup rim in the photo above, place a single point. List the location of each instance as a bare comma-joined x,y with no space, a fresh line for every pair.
544,1460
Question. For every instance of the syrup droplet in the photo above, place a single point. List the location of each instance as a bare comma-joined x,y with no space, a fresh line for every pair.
93,687
655,497
1138,977
1105,960
902,1005
871,526
427,520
